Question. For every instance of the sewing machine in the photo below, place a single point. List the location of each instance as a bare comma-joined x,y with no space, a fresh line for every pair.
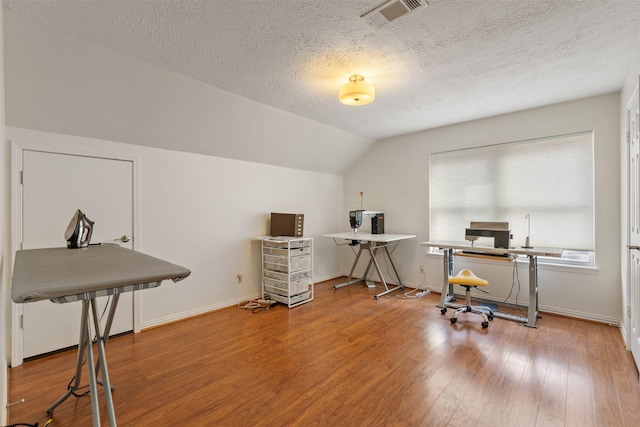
498,231
377,220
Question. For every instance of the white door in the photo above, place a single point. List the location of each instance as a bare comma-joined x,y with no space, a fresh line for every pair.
54,186
633,286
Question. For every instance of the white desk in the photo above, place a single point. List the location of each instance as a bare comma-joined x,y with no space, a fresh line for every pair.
531,253
65,275
371,243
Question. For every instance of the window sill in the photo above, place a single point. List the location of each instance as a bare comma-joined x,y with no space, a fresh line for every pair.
524,261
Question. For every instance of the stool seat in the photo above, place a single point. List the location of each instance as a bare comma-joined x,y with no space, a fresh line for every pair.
468,280
466,277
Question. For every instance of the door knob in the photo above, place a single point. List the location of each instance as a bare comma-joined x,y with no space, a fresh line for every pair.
124,239
633,247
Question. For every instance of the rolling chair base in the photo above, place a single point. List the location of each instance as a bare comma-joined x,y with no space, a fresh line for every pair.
485,312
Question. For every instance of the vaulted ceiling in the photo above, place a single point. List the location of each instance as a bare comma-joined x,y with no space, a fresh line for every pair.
453,61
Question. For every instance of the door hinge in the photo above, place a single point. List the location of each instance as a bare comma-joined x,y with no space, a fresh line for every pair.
629,311
628,137
21,177
22,321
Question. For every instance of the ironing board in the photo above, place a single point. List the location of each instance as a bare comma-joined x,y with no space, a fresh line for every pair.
65,275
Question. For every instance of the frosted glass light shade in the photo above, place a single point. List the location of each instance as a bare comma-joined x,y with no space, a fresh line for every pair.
357,91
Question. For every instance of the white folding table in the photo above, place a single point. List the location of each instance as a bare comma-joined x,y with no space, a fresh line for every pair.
371,243
64,275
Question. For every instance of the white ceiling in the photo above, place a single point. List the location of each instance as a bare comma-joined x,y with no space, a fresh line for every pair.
453,61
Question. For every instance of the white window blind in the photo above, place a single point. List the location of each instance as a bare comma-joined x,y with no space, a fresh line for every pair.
551,179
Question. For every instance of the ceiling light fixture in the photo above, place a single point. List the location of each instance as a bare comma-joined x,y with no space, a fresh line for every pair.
357,91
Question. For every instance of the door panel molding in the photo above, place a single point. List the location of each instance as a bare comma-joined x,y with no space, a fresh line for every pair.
17,151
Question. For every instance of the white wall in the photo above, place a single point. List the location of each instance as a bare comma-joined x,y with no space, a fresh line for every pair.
201,211
204,212
60,84
394,176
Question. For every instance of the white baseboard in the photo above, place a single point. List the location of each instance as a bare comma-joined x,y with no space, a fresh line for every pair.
611,321
547,309
191,313
623,331
206,309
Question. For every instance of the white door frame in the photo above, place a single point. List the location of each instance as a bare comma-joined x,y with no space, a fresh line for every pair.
17,149
627,316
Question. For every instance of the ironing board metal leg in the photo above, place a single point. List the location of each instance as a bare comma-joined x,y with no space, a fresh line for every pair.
93,384
107,328
102,360
93,367
82,343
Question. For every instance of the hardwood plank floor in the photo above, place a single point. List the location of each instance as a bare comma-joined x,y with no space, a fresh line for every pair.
347,359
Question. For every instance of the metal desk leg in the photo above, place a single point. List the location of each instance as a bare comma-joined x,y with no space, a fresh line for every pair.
366,270
371,249
387,290
533,292
386,251
447,289
353,267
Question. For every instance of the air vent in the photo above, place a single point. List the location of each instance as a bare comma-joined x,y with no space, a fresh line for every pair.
392,10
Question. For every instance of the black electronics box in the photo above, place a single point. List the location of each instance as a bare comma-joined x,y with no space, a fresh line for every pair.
286,224
377,224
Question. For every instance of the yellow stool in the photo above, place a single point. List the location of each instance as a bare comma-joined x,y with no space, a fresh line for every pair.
468,280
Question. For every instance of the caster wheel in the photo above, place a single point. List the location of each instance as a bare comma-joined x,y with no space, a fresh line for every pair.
454,320
485,325
444,310
490,316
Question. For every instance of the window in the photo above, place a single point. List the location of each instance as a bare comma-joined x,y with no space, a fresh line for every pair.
550,179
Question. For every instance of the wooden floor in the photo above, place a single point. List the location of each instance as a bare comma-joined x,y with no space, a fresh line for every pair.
349,360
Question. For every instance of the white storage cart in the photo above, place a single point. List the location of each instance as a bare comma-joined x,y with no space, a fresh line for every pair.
287,269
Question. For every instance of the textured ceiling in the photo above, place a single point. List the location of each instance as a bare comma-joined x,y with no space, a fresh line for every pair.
453,61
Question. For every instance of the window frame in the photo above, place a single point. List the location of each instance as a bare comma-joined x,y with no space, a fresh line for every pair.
568,257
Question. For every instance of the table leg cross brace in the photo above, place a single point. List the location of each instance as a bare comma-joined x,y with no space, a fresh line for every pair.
372,249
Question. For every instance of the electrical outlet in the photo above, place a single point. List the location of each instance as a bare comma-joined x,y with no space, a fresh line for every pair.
401,265
421,268
239,278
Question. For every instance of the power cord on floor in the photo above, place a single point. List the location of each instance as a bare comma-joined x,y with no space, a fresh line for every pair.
30,425
258,304
416,293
